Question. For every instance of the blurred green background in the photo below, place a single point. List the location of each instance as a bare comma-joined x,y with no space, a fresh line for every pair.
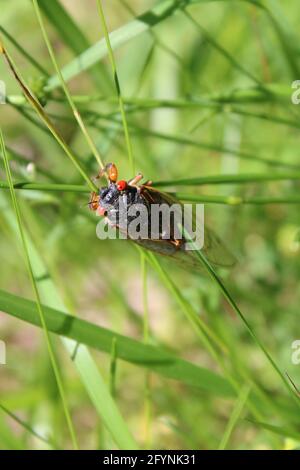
207,91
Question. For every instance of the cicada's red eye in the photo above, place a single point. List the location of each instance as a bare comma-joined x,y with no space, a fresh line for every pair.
121,185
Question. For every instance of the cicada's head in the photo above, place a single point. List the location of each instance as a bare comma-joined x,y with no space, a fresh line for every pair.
108,196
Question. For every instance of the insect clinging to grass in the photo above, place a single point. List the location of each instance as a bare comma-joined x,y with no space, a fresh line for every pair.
106,203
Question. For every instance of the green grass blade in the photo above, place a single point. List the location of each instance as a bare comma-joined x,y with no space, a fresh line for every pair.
235,416
154,358
280,430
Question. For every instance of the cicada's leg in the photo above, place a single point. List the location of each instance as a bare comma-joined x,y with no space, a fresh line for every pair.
177,243
111,171
134,181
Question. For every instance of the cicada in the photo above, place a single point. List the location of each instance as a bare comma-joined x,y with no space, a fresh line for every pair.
168,240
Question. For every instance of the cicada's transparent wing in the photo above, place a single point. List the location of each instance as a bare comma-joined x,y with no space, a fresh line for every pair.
213,248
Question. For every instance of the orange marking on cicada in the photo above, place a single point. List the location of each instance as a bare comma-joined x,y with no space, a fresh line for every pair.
111,171
94,201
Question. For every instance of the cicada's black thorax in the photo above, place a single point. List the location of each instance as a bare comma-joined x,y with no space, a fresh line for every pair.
108,196
117,203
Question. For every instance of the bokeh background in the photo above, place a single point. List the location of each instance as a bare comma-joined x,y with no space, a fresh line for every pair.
207,91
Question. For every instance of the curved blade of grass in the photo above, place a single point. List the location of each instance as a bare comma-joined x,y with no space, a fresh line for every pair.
280,430
76,113
37,296
235,416
141,354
